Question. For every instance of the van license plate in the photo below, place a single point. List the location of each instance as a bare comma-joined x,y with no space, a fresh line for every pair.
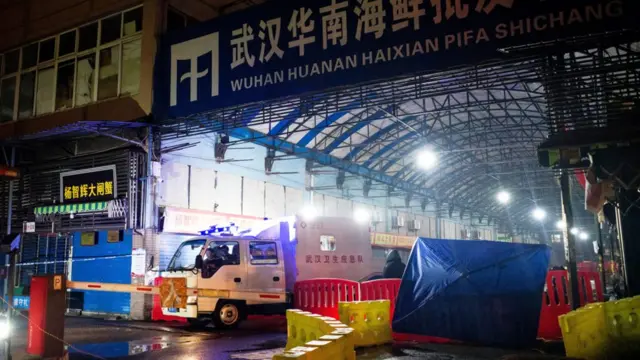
173,310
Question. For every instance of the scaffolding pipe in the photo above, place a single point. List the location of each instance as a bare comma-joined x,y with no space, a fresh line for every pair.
570,241
149,188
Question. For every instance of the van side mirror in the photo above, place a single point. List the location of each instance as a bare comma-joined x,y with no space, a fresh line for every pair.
199,262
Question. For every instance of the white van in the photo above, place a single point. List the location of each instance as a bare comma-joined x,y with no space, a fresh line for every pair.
231,273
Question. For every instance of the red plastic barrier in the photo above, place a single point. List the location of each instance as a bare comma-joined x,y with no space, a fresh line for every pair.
321,296
156,310
587,266
555,299
590,287
383,289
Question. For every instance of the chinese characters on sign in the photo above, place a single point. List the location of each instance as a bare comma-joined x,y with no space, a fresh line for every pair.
193,221
90,190
392,241
371,19
21,302
335,259
272,51
95,184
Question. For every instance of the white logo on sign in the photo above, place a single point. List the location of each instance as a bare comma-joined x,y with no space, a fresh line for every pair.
190,51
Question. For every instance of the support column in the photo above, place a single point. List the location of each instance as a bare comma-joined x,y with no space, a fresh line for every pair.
140,303
569,241
308,188
153,14
621,244
387,214
438,221
12,161
10,260
149,188
603,276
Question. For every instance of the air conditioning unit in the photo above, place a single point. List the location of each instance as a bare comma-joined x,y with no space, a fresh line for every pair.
414,225
376,218
397,222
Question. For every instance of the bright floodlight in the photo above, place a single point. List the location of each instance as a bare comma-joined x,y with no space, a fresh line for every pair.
361,216
503,197
539,214
5,329
574,231
583,236
426,159
561,224
309,212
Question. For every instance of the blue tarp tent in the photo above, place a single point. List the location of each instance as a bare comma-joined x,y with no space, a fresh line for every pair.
475,291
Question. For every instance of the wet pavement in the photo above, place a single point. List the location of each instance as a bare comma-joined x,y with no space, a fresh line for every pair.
256,339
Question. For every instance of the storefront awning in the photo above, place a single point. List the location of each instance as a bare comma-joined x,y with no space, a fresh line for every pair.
71,208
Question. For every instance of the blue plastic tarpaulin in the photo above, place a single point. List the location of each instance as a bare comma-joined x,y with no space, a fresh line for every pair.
475,291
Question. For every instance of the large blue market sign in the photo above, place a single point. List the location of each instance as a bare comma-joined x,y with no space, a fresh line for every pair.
289,48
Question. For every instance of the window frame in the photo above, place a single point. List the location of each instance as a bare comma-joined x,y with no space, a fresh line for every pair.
75,55
335,243
275,247
205,273
236,242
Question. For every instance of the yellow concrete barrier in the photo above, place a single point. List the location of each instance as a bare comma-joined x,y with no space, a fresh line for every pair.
369,320
602,330
314,337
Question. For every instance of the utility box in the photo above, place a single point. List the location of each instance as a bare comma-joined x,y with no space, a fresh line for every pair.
397,222
45,332
414,225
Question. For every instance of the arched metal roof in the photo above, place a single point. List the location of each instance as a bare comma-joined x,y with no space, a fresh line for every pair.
485,122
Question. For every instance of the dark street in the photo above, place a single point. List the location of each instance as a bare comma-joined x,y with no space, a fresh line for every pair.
93,338
398,177
257,339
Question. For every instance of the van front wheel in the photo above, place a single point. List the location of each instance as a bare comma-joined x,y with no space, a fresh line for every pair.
228,315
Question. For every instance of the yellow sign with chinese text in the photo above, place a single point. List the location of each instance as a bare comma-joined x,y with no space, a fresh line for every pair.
391,240
113,236
88,238
88,191
93,184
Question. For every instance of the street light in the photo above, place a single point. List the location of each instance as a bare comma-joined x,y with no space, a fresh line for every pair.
503,197
361,216
561,224
426,159
539,214
583,236
574,231
309,212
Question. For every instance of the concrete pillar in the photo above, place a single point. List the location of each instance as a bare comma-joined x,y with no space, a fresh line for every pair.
438,221
153,23
141,304
153,18
308,189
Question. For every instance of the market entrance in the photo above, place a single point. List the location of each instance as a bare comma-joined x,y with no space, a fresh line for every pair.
367,94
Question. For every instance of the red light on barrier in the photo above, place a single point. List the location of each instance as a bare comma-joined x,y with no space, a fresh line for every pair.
9,172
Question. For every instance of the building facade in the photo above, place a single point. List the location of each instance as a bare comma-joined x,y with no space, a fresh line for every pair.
75,104
105,190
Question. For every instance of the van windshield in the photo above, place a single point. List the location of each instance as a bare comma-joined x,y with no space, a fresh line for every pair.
185,256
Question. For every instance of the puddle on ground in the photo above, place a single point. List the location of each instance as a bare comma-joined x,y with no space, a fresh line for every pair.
120,349
262,351
257,355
